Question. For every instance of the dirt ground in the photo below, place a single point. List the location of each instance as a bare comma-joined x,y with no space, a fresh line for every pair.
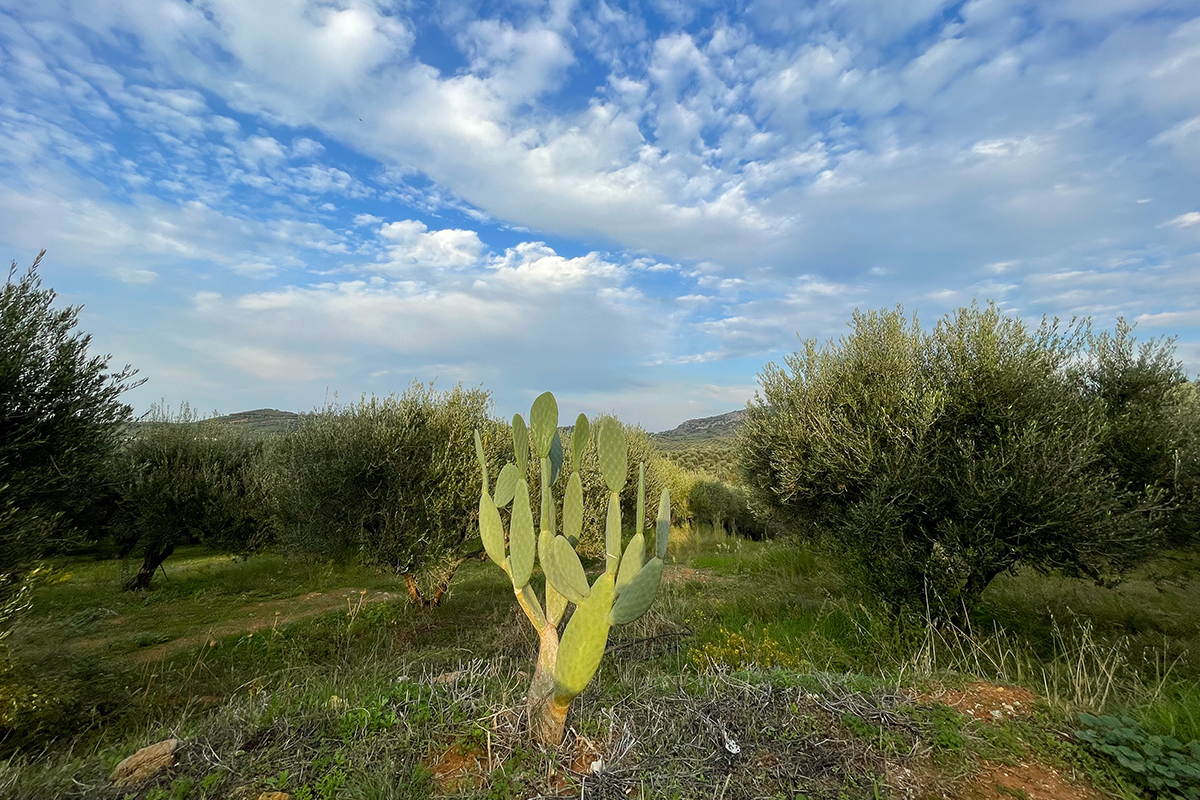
986,702
269,614
1030,780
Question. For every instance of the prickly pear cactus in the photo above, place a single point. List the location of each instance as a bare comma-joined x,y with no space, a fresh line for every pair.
619,595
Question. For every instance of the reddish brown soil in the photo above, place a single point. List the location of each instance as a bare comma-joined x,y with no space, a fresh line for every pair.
458,769
986,702
1030,780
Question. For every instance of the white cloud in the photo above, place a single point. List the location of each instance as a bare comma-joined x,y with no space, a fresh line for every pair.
303,147
414,245
534,266
1170,319
826,155
1185,220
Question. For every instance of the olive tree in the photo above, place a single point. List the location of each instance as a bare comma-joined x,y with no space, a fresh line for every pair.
390,481
934,462
182,480
60,419
1149,436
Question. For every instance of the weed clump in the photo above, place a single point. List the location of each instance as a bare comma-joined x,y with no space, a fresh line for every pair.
1162,765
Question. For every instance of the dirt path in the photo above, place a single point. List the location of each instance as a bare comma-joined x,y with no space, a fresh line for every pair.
268,614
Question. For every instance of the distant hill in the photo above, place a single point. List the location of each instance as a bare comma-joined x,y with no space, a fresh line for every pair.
690,432
262,420
698,431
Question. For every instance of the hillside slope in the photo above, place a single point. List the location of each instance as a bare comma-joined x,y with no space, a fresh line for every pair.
704,429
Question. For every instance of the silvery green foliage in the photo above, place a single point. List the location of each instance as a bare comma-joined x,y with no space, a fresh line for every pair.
391,481
932,462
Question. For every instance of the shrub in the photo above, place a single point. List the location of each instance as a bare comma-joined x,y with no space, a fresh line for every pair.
391,482
183,481
932,463
679,482
60,418
718,458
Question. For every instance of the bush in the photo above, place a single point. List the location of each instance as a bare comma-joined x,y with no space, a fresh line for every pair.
60,419
932,463
392,482
718,458
699,498
183,481
679,482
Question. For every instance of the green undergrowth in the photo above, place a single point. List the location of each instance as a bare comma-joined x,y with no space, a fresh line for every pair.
755,674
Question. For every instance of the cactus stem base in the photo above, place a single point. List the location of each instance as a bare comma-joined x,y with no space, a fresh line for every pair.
546,717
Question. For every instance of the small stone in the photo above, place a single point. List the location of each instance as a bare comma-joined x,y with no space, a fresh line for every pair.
145,763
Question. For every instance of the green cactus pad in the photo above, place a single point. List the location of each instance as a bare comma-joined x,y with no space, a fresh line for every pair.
612,535
521,543
614,453
491,529
579,440
573,509
664,524
583,641
482,459
636,597
520,442
556,458
556,605
506,485
549,521
543,421
640,522
564,571
631,562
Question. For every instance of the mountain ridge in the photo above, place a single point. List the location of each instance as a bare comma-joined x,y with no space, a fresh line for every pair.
719,426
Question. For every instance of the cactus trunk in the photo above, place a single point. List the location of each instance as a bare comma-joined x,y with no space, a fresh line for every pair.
546,718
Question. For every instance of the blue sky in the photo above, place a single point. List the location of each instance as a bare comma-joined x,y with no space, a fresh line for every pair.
635,206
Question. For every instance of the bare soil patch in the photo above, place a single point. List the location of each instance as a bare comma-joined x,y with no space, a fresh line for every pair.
1030,780
269,614
458,768
986,702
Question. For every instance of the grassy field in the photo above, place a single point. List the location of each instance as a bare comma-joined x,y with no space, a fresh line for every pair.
755,675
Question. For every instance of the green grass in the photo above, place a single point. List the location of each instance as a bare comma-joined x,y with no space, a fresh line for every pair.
760,639
85,607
